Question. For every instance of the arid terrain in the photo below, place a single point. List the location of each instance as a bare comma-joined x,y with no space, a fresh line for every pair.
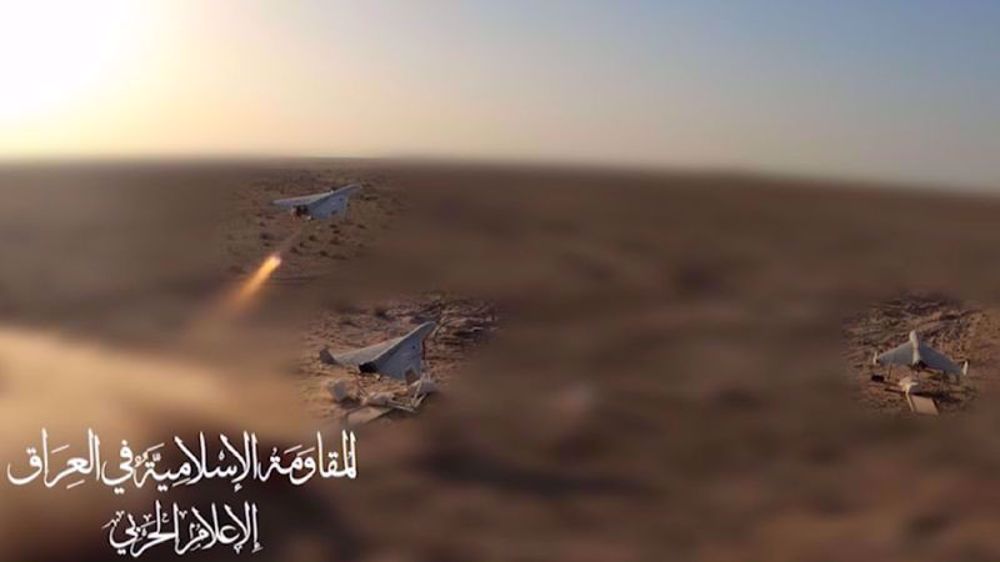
636,366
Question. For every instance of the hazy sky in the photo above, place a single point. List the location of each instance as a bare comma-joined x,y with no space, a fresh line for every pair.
902,89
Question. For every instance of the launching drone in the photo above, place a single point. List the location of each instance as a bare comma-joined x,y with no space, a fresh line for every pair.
320,205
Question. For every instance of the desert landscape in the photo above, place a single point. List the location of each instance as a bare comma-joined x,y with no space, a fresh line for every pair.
635,365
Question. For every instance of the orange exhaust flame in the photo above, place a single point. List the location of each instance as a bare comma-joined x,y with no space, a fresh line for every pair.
252,285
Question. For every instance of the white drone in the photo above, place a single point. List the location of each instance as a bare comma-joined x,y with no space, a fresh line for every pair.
919,356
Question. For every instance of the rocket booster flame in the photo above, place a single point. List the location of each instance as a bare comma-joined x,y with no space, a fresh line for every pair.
242,295
253,284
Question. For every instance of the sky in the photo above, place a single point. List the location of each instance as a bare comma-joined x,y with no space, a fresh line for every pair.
903,90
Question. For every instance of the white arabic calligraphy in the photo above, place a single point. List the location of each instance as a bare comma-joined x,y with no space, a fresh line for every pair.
236,463
188,530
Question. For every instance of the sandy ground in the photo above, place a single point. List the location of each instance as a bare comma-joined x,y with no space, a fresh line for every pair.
664,366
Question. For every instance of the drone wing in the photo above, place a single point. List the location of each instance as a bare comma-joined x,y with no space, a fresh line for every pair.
302,201
347,190
330,205
938,361
405,359
902,355
333,204
358,357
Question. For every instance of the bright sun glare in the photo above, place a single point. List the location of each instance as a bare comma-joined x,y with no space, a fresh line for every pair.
54,54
